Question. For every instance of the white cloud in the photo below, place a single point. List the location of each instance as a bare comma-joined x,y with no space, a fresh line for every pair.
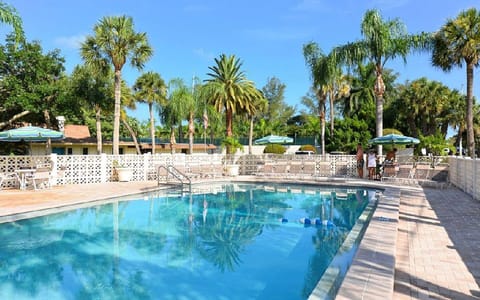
204,54
72,42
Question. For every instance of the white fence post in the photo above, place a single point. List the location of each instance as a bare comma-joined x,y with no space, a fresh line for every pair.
54,166
103,168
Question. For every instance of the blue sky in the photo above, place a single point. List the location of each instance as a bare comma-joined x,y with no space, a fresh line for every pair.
267,35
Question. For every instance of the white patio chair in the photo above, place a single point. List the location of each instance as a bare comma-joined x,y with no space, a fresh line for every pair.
8,177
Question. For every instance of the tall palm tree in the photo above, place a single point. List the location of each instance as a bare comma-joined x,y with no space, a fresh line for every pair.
323,71
113,43
9,15
151,89
457,43
229,90
383,40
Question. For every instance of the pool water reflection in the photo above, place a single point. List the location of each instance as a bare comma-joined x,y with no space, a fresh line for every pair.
230,241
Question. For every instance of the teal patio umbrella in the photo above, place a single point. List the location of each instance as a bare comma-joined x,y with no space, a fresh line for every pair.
30,134
274,139
394,139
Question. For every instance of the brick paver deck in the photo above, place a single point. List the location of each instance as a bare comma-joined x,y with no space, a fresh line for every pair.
438,245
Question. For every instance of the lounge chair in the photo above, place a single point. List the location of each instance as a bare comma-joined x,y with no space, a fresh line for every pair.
8,177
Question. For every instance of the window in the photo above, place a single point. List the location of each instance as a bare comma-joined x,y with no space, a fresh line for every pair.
69,151
85,151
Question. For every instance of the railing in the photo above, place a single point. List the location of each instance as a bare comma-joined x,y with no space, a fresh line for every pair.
171,170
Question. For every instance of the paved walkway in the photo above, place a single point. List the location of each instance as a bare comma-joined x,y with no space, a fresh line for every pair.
437,248
438,245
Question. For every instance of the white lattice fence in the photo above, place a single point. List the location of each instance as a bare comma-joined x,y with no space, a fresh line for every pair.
8,164
80,169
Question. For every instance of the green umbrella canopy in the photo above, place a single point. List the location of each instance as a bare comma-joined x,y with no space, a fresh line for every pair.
395,139
274,139
30,134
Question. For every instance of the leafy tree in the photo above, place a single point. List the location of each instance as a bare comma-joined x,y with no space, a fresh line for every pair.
382,41
151,89
95,91
278,111
113,43
229,90
457,43
30,82
424,107
348,133
262,105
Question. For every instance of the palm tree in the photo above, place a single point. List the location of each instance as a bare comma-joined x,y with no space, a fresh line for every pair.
151,89
182,106
458,42
382,41
9,15
322,70
113,43
262,105
229,90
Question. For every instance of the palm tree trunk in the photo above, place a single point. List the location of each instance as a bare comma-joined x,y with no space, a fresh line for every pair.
132,134
229,120
191,130
379,91
98,125
250,136
172,140
48,144
116,112
322,130
152,126
332,113
470,133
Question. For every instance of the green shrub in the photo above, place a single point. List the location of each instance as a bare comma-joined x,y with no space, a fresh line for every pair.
308,148
274,148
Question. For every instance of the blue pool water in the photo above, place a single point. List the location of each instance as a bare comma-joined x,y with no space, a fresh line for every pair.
228,241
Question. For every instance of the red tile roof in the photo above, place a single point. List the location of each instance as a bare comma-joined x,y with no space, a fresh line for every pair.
77,131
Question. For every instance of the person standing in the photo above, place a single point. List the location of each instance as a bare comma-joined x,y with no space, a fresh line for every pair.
360,160
372,164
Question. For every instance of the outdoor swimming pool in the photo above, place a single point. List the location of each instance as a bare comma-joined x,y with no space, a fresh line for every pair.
222,241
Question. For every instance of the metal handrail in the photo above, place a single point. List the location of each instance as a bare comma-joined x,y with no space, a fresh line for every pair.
174,172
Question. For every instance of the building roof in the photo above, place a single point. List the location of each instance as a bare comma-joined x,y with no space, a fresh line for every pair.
76,131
